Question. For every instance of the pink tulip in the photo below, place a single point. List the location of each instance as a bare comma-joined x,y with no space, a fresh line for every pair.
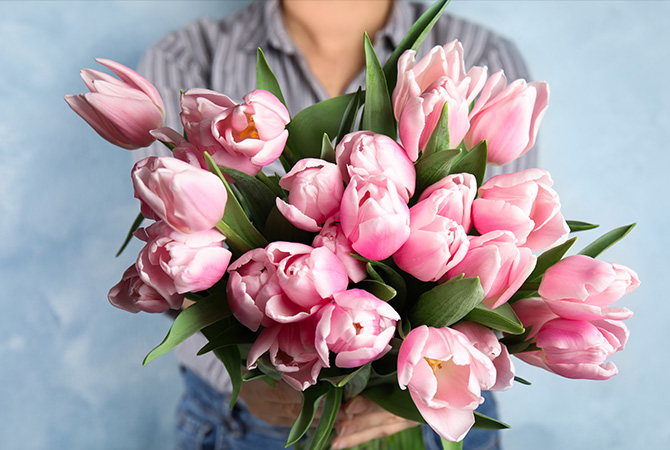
291,351
357,326
507,117
374,217
424,88
174,262
367,154
121,111
245,137
308,276
501,266
187,198
332,237
435,244
570,348
525,204
582,288
445,374
486,342
454,195
183,149
134,295
315,191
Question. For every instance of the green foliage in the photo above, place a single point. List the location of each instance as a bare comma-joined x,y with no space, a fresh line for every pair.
230,357
395,400
433,168
136,224
447,303
473,161
576,225
502,318
549,258
606,241
483,422
265,78
379,289
311,397
260,198
378,112
349,116
201,314
327,150
439,139
320,436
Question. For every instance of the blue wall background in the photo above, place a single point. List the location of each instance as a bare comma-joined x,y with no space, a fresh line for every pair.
70,372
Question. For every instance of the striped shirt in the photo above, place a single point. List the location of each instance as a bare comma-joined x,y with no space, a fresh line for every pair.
221,55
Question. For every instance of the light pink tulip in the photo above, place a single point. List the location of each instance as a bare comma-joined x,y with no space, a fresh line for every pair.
134,295
332,237
308,276
486,342
570,348
174,262
501,266
374,217
183,150
366,154
121,111
435,244
315,191
357,326
445,374
423,88
454,195
507,117
582,288
245,137
187,198
525,204
291,351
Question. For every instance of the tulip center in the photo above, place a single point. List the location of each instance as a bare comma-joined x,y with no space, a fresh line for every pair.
358,327
250,131
434,364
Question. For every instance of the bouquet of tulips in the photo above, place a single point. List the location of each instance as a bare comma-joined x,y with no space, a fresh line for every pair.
381,263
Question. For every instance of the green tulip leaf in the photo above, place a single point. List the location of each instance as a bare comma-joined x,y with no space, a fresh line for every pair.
439,138
319,438
473,161
606,241
377,112
395,400
201,314
502,318
483,422
522,381
260,198
311,397
576,225
136,224
232,333
230,357
433,168
447,303
327,150
265,78
413,39
349,116
379,289
549,258
305,131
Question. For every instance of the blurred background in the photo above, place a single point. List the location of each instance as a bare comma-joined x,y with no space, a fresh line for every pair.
70,364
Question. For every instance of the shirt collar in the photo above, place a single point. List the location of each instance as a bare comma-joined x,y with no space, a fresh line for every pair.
274,33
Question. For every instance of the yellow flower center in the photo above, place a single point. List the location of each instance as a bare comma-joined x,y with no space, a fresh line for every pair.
250,131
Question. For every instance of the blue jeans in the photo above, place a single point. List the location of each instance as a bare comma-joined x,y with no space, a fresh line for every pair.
205,422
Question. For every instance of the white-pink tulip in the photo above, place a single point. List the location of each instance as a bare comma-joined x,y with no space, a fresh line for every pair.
332,237
121,111
134,295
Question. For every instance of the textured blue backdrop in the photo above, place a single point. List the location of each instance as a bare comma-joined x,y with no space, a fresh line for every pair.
70,372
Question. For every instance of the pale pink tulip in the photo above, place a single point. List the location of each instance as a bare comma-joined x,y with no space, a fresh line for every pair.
315,191
357,326
291,351
332,237
507,117
245,137
525,204
366,154
486,342
424,88
501,266
183,149
582,288
374,217
435,244
187,198
174,262
454,195
121,111
134,295
445,374
308,276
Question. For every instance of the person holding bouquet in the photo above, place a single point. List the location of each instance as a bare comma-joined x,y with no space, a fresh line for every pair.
315,50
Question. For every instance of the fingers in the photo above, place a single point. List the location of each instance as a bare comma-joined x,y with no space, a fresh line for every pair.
277,406
363,420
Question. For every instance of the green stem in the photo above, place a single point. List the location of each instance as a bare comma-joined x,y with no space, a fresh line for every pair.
448,445
234,239
529,286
